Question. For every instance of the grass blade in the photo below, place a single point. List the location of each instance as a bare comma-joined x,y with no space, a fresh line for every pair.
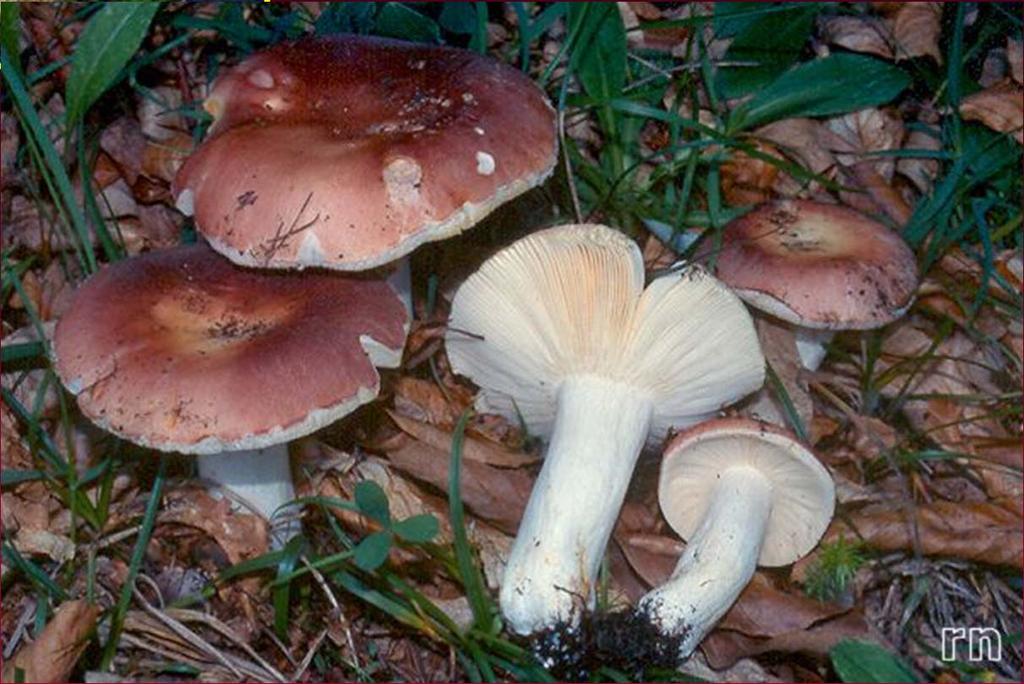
470,574
105,47
145,532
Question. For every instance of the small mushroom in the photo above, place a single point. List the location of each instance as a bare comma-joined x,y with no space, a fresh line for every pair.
179,350
348,152
742,493
820,267
558,329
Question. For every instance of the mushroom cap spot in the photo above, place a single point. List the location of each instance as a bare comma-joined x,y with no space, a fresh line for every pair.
179,349
261,79
818,265
570,301
484,164
803,495
339,108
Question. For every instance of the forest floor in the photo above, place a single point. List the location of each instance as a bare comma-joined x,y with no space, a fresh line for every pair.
673,119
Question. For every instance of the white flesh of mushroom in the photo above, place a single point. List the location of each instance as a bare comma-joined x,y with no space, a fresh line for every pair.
810,344
262,479
558,329
742,493
719,559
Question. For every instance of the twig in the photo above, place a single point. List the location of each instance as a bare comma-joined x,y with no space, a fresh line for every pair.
186,633
308,657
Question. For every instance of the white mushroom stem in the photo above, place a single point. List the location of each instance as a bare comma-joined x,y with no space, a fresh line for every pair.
719,560
600,427
262,478
810,344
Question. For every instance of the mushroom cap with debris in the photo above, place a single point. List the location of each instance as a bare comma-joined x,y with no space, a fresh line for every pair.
818,265
180,350
348,152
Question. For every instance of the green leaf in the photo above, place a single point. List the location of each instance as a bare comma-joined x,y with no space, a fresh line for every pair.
600,53
398,21
9,15
458,17
22,351
773,41
107,44
835,84
863,661
264,562
371,553
418,529
12,476
346,17
470,574
282,590
373,502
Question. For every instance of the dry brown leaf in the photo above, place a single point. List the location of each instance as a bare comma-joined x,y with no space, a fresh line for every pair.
976,531
239,534
474,449
778,342
423,400
921,171
723,648
48,293
653,557
942,387
124,142
1000,107
855,138
162,158
52,656
667,39
496,495
858,135
916,28
762,610
158,115
38,542
746,179
743,670
764,619
860,34
801,140
881,196
157,227
29,226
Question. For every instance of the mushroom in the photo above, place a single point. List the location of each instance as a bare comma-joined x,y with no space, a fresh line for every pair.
820,267
742,493
558,329
348,152
179,350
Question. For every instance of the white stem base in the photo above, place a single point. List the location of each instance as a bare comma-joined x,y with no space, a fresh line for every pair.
600,428
719,560
262,478
810,344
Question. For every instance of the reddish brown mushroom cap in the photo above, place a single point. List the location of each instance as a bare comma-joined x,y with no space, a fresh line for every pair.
818,265
349,152
181,350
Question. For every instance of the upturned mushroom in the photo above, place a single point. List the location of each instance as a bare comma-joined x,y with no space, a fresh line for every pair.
558,329
742,493
348,152
819,267
179,350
